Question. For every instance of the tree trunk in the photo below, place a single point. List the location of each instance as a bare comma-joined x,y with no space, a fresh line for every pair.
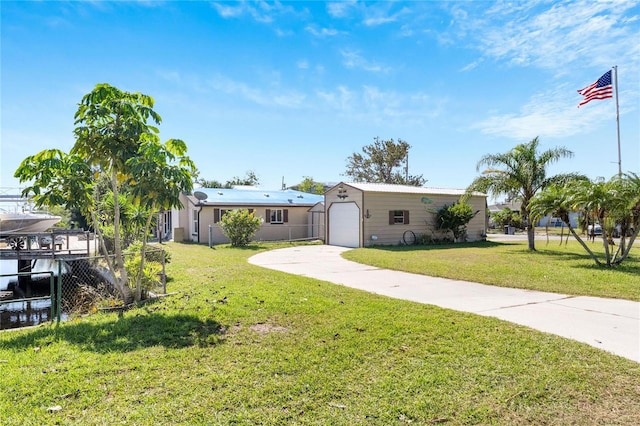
142,258
117,243
531,235
584,246
124,289
628,248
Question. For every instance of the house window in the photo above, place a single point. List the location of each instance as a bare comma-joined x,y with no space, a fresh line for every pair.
219,213
398,217
194,222
277,215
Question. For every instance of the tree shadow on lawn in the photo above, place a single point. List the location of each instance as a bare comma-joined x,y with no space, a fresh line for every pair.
126,333
630,265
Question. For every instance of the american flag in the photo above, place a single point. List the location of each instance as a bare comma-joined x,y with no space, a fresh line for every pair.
599,89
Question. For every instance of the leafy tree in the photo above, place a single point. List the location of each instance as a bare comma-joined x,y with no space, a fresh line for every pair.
310,186
206,183
454,218
384,161
110,125
159,174
239,226
111,129
507,217
250,179
520,173
60,179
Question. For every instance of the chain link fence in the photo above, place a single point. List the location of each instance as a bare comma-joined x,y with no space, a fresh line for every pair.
71,285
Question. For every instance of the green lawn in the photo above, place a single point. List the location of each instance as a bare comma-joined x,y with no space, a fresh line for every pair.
552,267
238,344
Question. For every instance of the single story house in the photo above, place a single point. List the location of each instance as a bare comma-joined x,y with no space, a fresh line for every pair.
286,215
365,214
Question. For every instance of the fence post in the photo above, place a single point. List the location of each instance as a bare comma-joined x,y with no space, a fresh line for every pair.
164,276
52,290
59,298
210,236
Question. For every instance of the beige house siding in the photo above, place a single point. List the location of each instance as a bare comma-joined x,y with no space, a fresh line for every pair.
375,208
377,224
420,220
182,222
296,227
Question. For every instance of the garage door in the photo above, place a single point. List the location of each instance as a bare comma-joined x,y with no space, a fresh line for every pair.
344,225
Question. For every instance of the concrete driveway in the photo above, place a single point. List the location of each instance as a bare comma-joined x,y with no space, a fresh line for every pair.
612,325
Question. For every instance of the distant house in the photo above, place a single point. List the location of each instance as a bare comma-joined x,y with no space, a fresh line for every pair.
365,214
286,215
548,220
514,206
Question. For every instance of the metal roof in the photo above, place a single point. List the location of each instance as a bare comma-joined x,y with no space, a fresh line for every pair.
406,189
230,197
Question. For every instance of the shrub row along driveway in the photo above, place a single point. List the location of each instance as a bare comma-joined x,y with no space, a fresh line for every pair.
609,324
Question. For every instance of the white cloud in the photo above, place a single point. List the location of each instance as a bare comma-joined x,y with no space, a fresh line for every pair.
472,65
353,60
323,32
341,99
548,35
547,114
265,12
341,9
272,97
229,11
370,104
376,15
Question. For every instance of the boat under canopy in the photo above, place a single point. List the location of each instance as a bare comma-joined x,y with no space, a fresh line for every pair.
22,222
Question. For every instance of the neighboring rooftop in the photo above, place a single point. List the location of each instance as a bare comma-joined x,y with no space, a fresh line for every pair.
406,189
251,197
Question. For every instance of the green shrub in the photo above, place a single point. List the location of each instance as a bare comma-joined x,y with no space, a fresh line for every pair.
455,217
151,273
239,226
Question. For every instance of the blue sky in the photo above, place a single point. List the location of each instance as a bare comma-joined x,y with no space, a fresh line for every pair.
291,89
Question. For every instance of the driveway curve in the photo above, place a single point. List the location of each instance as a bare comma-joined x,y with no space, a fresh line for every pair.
612,325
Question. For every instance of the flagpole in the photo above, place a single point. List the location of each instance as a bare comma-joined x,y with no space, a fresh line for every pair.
615,74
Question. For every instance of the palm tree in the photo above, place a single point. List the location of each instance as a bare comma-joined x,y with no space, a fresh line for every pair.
555,200
520,173
611,203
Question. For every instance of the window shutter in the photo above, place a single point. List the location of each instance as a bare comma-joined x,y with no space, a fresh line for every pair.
406,217
268,216
216,215
391,217
285,215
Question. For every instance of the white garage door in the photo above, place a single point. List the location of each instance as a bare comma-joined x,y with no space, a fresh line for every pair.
344,225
